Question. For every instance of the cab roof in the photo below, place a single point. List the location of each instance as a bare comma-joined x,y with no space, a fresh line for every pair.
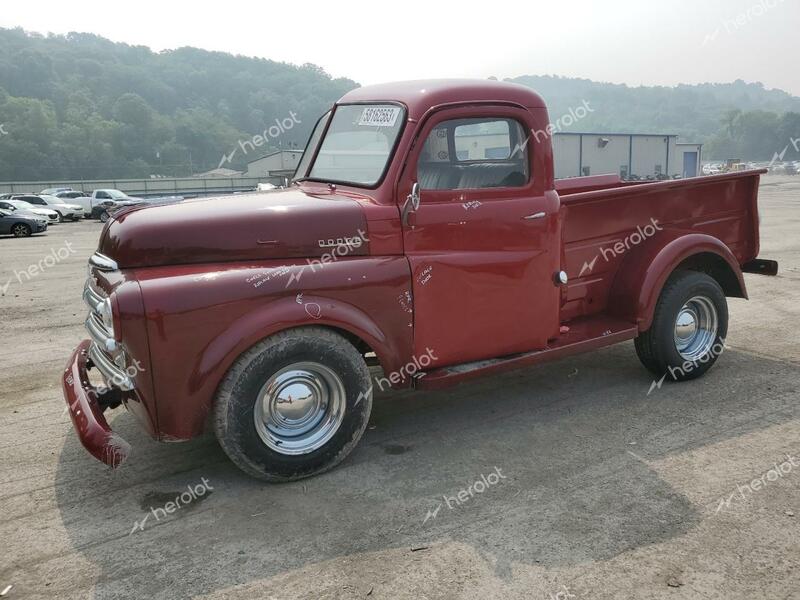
422,94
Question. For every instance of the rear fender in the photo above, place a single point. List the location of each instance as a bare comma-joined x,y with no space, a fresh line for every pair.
644,271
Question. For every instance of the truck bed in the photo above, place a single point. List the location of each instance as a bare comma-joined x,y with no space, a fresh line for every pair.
601,212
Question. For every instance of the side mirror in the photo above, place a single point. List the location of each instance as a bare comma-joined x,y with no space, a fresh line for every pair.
412,204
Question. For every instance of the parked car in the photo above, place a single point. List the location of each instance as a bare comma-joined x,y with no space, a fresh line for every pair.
120,200
21,225
27,208
64,210
92,206
106,201
69,194
258,314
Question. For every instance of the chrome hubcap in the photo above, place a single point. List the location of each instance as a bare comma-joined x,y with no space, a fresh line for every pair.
696,328
300,408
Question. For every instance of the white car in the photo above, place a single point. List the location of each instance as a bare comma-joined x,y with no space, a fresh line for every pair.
64,210
22,206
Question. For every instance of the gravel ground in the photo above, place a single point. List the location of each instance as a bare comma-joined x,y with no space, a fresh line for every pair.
590,487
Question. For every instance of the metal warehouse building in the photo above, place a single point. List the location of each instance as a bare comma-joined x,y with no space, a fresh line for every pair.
629,155
276,166
575,154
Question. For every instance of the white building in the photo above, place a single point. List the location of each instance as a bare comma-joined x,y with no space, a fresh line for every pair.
277,166
628,155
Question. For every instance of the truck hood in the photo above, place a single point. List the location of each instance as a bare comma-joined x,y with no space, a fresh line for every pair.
290,223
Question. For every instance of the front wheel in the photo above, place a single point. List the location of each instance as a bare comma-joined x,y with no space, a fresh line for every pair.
21,230
294,405
104,217
688,330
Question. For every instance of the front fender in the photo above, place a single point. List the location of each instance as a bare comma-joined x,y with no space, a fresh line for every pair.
643,273
201,320
289,313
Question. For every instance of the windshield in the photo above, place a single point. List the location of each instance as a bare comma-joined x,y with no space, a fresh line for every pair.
116,194
358,144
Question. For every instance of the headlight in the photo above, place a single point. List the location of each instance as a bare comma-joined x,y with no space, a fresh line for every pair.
107,315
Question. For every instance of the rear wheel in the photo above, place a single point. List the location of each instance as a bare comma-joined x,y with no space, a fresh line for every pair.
20,230
688,330
294,405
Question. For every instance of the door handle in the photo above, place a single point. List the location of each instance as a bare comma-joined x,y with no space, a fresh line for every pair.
411,205
539,215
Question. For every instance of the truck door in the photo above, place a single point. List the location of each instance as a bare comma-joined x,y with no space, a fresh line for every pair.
484,242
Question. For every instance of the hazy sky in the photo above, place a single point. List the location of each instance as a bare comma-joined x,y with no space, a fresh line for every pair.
622,41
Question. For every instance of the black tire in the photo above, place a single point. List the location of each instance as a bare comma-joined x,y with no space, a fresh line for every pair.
104,216
235,403
60,217
657,347
21,230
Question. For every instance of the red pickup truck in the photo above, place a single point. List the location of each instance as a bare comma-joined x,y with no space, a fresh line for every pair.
424,232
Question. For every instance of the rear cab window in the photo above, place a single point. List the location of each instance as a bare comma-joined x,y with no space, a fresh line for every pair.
474,153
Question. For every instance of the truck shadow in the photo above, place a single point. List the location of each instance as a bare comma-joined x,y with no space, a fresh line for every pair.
534,466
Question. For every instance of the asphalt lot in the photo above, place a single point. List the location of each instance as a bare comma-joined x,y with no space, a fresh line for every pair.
591,488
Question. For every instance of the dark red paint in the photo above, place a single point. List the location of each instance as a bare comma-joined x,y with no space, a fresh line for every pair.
200,282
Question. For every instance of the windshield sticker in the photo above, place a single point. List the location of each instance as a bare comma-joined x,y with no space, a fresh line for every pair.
379,116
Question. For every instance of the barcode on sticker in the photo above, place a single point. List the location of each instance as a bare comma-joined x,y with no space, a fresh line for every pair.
379,116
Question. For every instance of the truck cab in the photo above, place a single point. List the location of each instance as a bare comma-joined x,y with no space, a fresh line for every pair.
424,233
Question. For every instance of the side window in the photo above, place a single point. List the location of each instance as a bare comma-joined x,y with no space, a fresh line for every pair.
34,200
102,196
477,153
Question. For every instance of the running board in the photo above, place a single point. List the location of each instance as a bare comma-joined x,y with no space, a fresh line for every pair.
584,335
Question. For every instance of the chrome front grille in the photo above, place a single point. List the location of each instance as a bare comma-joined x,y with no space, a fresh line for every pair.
104,347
